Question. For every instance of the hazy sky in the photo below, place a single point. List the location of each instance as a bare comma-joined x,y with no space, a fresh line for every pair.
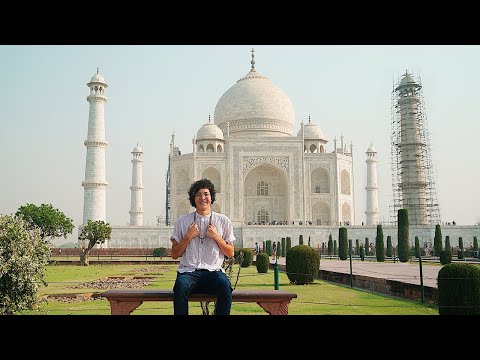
156,90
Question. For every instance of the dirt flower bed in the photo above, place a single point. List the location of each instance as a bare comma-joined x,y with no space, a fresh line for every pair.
101,284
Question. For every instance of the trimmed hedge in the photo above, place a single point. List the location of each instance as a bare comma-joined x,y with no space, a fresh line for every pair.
459,289
262,262
302,264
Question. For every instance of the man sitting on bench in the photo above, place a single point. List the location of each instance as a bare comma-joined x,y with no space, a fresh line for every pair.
203,239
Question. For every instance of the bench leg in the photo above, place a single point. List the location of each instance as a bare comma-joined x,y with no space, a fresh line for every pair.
123,307
275,308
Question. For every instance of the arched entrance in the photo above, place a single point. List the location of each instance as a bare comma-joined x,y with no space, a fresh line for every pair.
266,196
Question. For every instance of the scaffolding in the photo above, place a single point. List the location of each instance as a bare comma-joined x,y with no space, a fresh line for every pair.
412,168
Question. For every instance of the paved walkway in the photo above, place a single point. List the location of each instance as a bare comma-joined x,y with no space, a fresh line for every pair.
403,272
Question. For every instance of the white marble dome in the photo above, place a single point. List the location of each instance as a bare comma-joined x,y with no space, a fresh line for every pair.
97,78
209,131
371,149
137,149
311,131
255,106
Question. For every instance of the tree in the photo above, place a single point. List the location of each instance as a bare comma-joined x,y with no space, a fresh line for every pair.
357,247
389,246
23,257
475,244
367,247
417,247
95,232
437,240
330,245
51,222
379,244
342,243
403,233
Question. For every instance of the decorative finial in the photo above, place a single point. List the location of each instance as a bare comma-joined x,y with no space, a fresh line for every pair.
309,118
97,69
253,59
208,117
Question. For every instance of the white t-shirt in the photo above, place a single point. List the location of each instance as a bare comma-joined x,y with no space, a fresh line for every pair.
202,253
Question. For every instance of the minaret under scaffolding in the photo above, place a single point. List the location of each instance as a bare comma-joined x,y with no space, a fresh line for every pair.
412,169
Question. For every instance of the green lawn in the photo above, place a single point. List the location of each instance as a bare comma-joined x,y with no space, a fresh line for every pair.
318,298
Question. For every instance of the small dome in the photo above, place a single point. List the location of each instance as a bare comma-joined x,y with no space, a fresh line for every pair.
210,131
371,149
97,78
137,149
311,131
407,82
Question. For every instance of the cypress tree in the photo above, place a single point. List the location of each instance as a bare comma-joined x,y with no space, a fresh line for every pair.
335,248
367,247
357,243
475,244
379,244
460,251
342,243
448,249
417,247
389,246
330,245
283,247
403,230
437,241
289,243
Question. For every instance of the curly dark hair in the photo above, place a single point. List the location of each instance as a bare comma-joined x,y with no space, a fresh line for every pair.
201,184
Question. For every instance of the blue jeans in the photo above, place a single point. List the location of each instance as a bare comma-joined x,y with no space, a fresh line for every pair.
205,282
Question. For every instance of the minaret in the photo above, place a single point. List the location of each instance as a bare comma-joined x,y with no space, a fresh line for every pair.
95,185
372,188
136,211
412,168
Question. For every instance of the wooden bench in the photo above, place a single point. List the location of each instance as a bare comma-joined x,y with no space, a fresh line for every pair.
123,302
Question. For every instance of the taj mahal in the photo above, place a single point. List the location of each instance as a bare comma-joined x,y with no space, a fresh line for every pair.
271,182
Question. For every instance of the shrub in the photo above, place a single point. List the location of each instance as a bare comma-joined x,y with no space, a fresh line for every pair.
247,256
302,264
283,247
362,253
23,257
262,262
160,252
335,247
459,290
